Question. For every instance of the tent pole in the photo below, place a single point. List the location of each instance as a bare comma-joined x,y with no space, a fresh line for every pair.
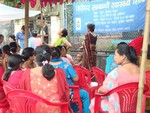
42,22
144,57
26,22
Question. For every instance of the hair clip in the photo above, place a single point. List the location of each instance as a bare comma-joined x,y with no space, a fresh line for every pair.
45,62
9,68
44,52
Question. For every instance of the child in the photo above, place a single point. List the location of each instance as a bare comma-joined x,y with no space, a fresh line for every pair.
79,60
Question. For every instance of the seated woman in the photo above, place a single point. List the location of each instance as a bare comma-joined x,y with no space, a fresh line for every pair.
70,76
6,53
65,57
28,56
45,81
14,72
128,72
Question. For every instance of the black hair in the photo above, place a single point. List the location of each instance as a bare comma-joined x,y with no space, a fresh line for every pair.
64,47
14,62
23,27
61,48
13,47
34,33
27,53
56,52
12,37
6,49
40,18
42,58
64,32
0,52
1,36
48,71
91,27
128,51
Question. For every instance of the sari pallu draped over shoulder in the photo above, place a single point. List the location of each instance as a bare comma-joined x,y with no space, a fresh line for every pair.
62,84
89,51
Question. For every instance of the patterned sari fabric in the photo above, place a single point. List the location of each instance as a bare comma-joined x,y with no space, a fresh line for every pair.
51,95
54,90
114,79
89,52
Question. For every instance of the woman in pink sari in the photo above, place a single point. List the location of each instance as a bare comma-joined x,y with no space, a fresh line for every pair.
128,72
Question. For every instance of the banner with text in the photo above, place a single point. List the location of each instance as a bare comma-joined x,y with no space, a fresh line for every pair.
109,16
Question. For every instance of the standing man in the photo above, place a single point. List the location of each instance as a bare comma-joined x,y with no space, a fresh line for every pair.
43,27
20,37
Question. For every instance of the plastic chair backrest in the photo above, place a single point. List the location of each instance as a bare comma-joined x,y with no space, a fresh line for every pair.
83,80
22,101
110,64
127,96
99,75
148,79
137,44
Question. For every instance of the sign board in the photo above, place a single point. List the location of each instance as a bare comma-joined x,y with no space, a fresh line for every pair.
109,16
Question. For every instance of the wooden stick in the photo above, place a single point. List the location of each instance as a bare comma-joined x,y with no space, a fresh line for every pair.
42,23
144,57
26,22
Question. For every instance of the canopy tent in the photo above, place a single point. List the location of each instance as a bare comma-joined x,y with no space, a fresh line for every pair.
10,13
45,2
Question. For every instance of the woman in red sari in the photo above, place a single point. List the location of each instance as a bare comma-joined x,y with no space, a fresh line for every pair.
45,81
89,48
14,72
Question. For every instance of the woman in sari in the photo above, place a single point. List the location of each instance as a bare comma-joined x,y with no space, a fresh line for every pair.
126,73
14,72
45,81
89,48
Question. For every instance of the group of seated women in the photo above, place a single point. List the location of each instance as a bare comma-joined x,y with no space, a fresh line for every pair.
43,72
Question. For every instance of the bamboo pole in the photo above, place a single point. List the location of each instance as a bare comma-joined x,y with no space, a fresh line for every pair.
144,57
42,23
26,22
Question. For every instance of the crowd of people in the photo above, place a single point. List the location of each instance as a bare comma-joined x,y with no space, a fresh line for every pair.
48,70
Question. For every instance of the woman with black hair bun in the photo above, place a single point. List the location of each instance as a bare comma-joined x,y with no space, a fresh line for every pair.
14,72
45,81
28,57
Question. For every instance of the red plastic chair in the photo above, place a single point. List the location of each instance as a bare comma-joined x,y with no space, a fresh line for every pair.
76,97
147,94
22,101
99,74
137,44
84,81
127,95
